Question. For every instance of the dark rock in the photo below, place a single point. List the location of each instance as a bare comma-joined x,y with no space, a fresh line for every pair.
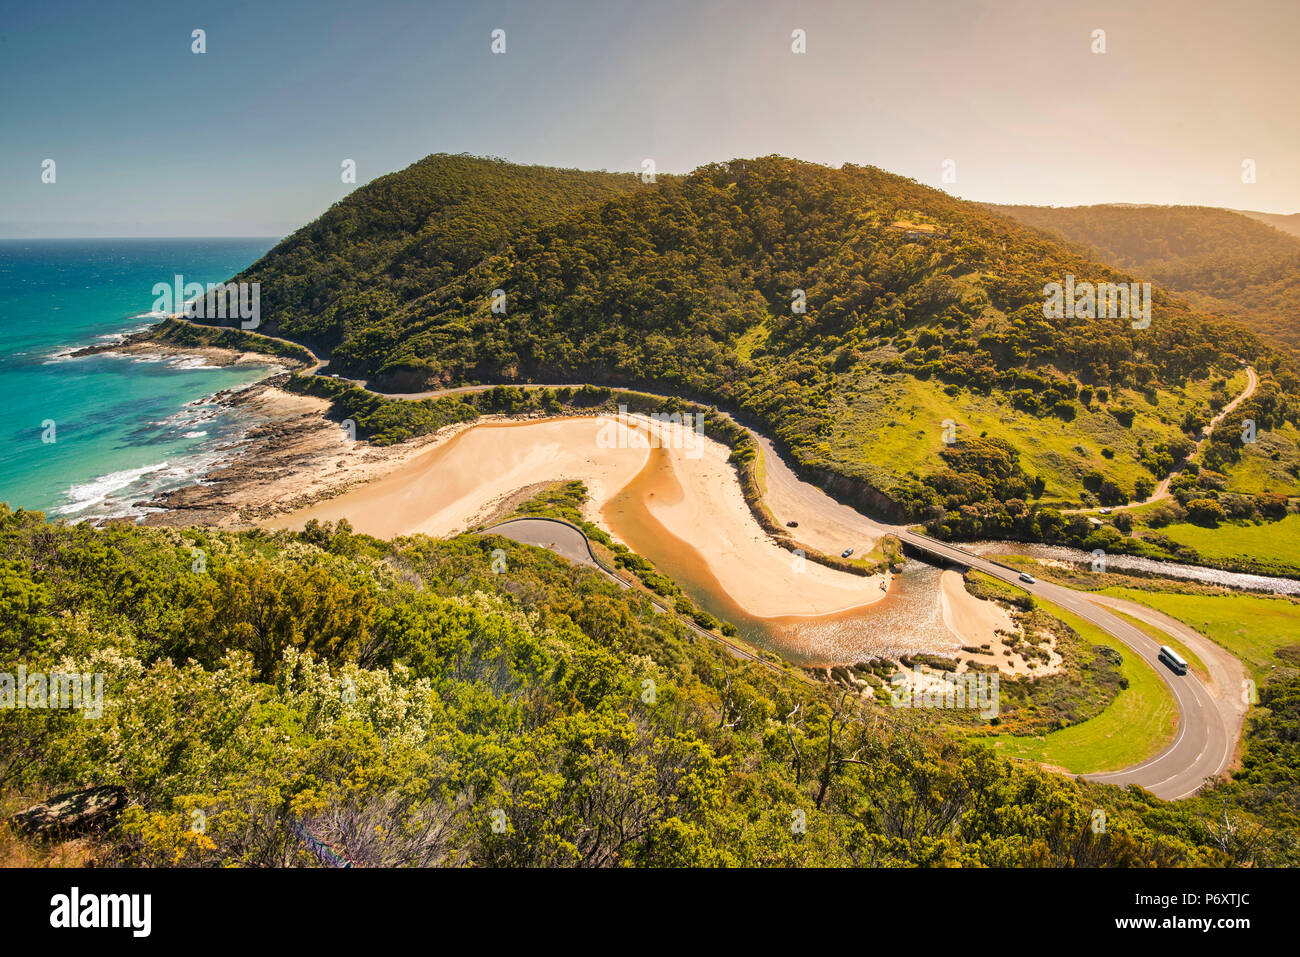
74,813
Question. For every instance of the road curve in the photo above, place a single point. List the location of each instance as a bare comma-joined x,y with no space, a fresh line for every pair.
1202,747
1208,726
1205,742
571,542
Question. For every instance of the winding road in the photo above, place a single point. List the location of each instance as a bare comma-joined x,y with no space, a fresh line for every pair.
1209,720
1162,490
1202,747
1208,725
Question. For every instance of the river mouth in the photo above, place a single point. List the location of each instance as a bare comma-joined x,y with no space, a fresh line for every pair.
907,619
1244,581
676,503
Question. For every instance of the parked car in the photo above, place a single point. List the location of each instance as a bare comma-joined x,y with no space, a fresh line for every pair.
846,553
791,524
1027,578
1105,511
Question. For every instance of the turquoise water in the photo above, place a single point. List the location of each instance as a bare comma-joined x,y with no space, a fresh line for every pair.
124,427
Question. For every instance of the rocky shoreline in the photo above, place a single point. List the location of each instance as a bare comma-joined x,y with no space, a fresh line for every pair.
295,456
142,344
291,456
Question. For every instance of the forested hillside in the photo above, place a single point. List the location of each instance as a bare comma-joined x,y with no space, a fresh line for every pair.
1287,222
849,312
408,232
1222,261
430,702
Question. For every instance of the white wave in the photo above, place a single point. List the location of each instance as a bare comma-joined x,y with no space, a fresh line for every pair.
82,497
198,412
195,435
101,498
192,362
108,338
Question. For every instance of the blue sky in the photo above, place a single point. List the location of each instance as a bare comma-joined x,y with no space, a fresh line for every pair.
247,138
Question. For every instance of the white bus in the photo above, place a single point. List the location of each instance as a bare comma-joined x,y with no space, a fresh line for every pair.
1173,659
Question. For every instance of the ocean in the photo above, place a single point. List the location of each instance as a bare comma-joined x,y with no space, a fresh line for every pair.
94,437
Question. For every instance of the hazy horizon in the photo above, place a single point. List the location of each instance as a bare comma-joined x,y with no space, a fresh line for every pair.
281,235
151,139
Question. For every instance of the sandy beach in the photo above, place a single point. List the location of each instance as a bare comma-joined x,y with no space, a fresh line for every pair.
970,618
695,495
677,490
458,482
445,488
295,457
977,623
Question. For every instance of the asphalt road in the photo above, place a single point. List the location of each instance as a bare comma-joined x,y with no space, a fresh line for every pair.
1202,747
1208,726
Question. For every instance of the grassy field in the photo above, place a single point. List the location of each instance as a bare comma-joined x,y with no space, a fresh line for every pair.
1243,542
1252,627
894,425
1268,465
760,470
1138,723
752,338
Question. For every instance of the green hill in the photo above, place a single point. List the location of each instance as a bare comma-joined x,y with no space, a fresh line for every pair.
918,310
416,704
1231,263
403,234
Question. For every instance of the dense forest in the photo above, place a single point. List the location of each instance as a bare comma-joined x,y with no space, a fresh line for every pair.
473,701
785,291
406,233
1220,260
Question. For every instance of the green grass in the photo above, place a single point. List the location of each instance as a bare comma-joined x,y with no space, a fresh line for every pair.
1137,724
1242,542
754,337
893,425
1252,627
1141,513
760,471
1268,465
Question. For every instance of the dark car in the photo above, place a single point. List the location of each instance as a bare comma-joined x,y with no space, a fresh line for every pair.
846,553
791,524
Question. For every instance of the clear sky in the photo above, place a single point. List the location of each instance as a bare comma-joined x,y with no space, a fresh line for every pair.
150,139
